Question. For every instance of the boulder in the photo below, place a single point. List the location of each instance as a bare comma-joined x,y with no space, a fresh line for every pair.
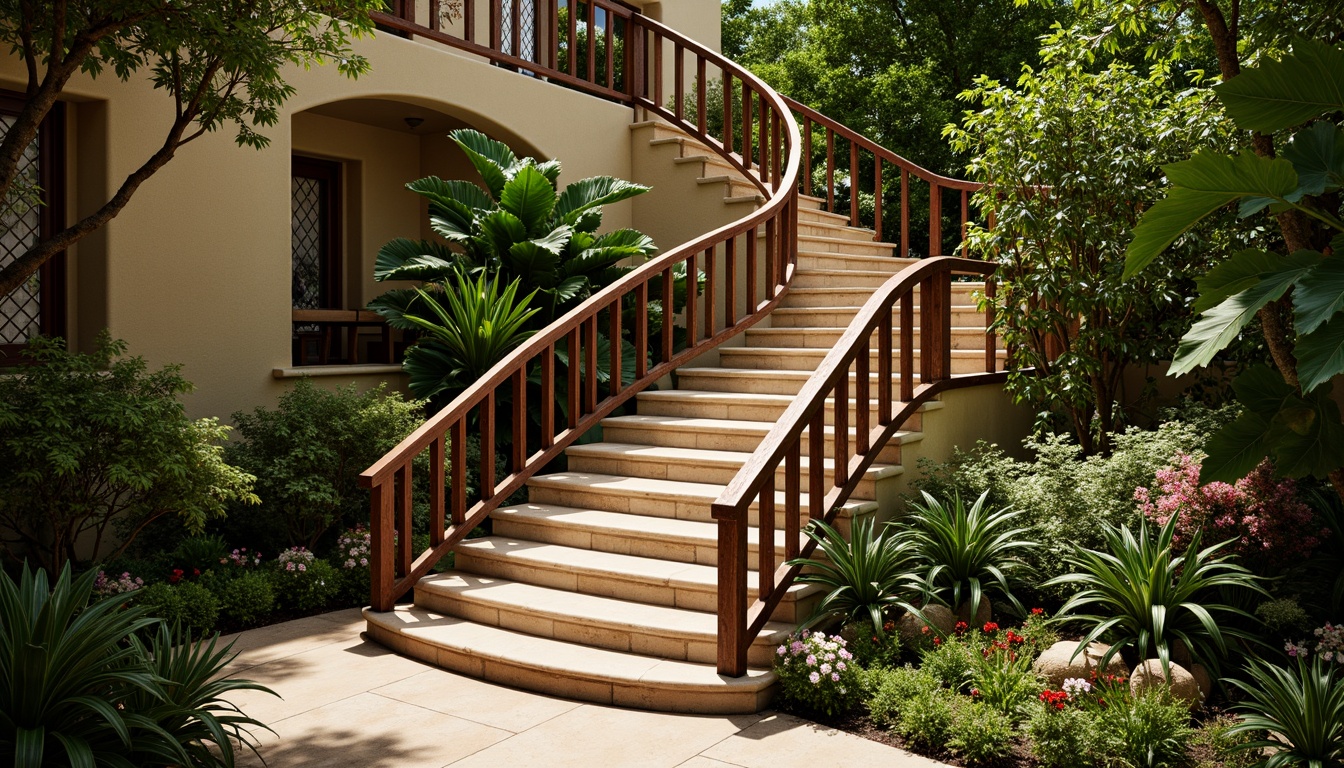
983,613
1182,683
911,628
1203,679
1055,664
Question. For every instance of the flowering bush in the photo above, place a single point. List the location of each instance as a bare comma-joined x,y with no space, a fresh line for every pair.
817,672
872,650
302,582
1271,527
1329,644
295,559
107,585
241,558
352,548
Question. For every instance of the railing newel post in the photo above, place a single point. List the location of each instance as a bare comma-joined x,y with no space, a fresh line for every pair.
732,591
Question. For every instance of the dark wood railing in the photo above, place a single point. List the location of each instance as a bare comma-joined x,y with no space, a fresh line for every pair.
746,267
805,420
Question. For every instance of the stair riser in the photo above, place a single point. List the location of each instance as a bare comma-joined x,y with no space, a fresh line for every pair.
965,316
791,608
641,505
962,338
827,229
733,186
846,246
629,640
812,259
769,383
963,361
721,441
691,473
807,277
765,413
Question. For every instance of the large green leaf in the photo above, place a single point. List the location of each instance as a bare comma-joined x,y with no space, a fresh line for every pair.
1320,354
500,230
458,200
490,158
1317,154
1319,294
1217,327
593,192
530,197
532,262
1308,438
1273,95
404,259
1301,432
1236,449
1242,270
1200,186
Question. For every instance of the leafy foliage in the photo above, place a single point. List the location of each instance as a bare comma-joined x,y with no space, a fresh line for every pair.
865,576
93,441
186,604
981,734
1070,157
1304,705
1142,596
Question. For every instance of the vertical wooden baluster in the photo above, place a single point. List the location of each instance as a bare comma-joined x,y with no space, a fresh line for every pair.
853,183
679,78
667,337
765,542
692,289
548,397
404,553
935,220
590,365
711,277
931,341
965,215
572,45
775,138
841,418
792,480
381,559
944,316
861,408
611,50
884,353
615,335
751,246
877,197
488,446
991,338
816,465
572,375
727,111
458,482
700,94
907,371
434,15
771,273
905,218
730,282
657,69
806,170
553,52
746,125
641,330
469,20
496,33
436,500
516,31
763,120
830,170
519,418
590,74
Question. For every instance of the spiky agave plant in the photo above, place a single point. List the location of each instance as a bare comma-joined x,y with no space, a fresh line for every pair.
1304,706
1139,594
965,551
865,575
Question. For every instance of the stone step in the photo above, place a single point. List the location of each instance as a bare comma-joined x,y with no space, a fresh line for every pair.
806,214
744,406
645,496
625,577
963,315
834,260
733,184
724,435
764,381
844,245
811,277
856,296
695,465
963,337
565,669
803,359
601,622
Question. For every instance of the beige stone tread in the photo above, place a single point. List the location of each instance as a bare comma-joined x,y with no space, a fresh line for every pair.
886,264
850,273
737,199
800,352
816,214
692,424
958,311
700,457
567,669
775,373
590,610
648,489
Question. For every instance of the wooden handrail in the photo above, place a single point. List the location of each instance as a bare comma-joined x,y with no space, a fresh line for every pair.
762,242
739,623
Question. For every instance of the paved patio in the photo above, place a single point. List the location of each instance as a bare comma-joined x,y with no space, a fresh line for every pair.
352,702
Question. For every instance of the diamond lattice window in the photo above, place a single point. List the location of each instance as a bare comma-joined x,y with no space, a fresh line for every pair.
309,242
20,229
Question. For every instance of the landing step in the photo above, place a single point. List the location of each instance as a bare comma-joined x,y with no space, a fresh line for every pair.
566,669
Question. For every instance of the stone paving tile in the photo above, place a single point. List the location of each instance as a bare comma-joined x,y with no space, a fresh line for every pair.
780,740
700,761
476,700
592,735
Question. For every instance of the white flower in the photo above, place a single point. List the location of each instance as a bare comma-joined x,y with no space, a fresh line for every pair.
814,678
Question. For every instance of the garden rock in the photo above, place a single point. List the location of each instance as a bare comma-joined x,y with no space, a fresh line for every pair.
1055,664
1182,683
1203,679
911,628
983,613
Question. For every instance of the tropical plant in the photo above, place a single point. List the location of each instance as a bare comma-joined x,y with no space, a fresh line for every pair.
96,447
78,688
1145,730
1145,597
1003,678
865,576
477,328
965,553
1289,413
1069,155
1304,706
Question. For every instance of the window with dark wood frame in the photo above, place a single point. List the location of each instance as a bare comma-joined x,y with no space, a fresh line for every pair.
38,306
315,228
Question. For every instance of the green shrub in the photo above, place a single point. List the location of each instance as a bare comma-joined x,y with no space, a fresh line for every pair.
927,718
1215,745
952,662
817,673
1283,616
1002,678
1064,738
864,576
891,690
200,553
307,454
78,687
873,651
186,604
247,599
302,582
1150,730
980,733
1303,703
96,446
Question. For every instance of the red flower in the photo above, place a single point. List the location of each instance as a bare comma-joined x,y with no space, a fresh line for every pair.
937,641
195,571
1037,611
961,628
991,627
975,692
176,577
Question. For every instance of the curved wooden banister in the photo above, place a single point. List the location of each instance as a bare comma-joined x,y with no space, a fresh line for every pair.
760,246
739,623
